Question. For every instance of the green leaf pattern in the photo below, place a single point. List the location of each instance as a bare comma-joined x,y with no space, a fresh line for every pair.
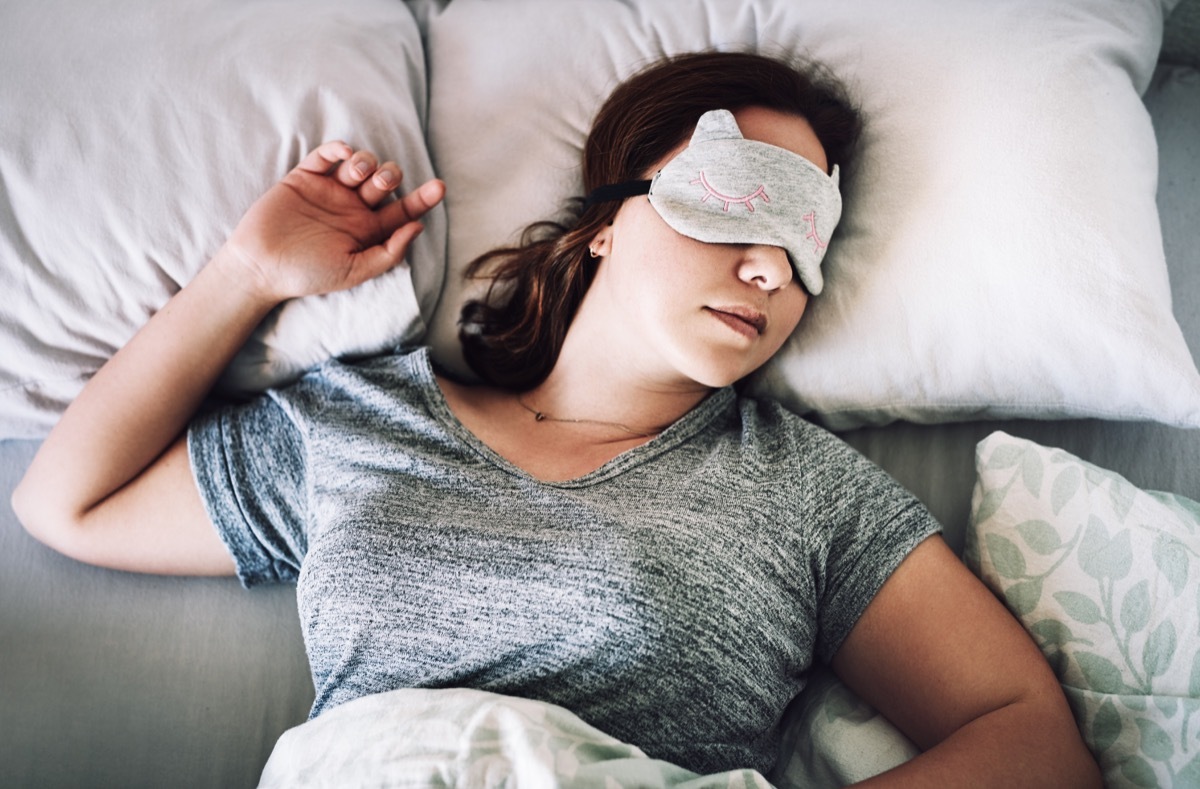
1106,578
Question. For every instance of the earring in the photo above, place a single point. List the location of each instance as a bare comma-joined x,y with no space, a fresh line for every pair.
593,251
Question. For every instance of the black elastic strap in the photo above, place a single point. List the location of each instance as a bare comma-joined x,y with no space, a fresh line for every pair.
610,192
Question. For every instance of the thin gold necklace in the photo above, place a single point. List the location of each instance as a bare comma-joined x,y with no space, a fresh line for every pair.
542,416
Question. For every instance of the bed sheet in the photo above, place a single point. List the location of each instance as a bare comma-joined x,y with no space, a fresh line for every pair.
110,679
114,679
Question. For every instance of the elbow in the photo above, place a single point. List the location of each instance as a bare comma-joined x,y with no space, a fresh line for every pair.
22,506
40,518
1058,742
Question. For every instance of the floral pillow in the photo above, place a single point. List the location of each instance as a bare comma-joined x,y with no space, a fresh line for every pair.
1106,577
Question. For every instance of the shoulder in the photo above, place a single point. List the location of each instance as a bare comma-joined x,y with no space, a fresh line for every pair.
352,379
402,367
788,439
337,391
808,461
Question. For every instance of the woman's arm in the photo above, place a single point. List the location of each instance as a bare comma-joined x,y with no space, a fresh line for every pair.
938,655
111,484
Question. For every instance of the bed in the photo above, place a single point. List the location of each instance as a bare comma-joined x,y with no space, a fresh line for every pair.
1011,324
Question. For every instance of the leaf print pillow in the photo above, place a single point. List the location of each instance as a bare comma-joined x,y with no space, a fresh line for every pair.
1106,578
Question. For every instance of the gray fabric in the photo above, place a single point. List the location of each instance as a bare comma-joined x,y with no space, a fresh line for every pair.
110,679
674,598
1181,36
724,189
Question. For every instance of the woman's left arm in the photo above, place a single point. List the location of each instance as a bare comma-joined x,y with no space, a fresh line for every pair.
943,659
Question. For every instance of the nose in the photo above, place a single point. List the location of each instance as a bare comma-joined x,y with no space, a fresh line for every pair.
766,266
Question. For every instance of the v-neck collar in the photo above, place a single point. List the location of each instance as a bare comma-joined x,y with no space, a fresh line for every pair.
681,430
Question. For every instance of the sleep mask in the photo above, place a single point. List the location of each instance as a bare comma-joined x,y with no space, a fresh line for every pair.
725,189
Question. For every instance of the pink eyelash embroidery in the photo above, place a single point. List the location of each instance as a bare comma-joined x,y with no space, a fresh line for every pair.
728,200
811,218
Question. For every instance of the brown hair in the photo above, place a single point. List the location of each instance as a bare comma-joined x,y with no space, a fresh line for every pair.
514,341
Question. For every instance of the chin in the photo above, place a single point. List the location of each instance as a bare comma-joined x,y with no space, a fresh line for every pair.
714,364
718,376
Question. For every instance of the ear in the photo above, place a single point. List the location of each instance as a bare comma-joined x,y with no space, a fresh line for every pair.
601,243
716,125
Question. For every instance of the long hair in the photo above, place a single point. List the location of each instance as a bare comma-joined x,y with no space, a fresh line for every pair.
514,341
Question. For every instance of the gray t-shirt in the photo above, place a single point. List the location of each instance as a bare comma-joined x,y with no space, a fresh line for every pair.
674,598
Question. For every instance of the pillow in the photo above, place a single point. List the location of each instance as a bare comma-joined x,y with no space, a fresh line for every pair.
136,133
1000,252
1106,578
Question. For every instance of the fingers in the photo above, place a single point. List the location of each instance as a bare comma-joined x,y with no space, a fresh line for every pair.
356,169
382,182
325,156
361,171
383,257
413,205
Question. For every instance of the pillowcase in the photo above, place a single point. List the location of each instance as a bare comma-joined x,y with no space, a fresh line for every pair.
137,133
1106,578
1000,252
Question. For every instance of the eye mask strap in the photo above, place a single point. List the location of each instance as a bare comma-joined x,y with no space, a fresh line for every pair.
611,192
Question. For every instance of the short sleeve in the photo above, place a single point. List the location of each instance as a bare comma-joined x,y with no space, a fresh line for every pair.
871,525
249,463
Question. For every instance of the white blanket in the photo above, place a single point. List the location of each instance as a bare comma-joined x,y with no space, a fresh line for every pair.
469,738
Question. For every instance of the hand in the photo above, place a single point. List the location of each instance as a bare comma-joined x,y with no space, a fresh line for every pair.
328,225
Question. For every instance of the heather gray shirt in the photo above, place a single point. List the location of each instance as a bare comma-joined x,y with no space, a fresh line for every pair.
674,598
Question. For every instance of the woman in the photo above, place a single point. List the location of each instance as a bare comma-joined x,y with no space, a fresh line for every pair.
602,523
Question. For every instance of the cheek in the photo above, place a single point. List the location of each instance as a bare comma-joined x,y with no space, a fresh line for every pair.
786,317
792,309
657,262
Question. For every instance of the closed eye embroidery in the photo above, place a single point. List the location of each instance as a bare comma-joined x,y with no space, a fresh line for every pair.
811,218
729,200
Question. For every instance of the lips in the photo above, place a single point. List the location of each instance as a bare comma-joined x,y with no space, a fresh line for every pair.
745,320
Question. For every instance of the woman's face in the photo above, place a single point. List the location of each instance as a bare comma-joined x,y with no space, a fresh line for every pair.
703,313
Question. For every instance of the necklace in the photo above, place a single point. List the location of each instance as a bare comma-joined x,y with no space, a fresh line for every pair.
542,416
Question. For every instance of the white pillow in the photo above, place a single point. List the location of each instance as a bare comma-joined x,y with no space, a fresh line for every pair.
1106,577
1000,253
135,134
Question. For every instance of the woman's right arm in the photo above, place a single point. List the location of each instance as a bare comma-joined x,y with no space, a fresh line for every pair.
112,485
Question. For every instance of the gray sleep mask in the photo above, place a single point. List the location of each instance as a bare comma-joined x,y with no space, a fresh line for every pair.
725,189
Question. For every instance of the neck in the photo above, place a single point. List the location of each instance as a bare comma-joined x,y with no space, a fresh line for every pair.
591,383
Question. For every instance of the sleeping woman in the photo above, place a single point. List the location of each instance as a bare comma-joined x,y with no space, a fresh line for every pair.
601,520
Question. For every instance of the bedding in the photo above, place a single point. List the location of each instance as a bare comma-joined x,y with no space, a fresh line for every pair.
111,679
470,738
